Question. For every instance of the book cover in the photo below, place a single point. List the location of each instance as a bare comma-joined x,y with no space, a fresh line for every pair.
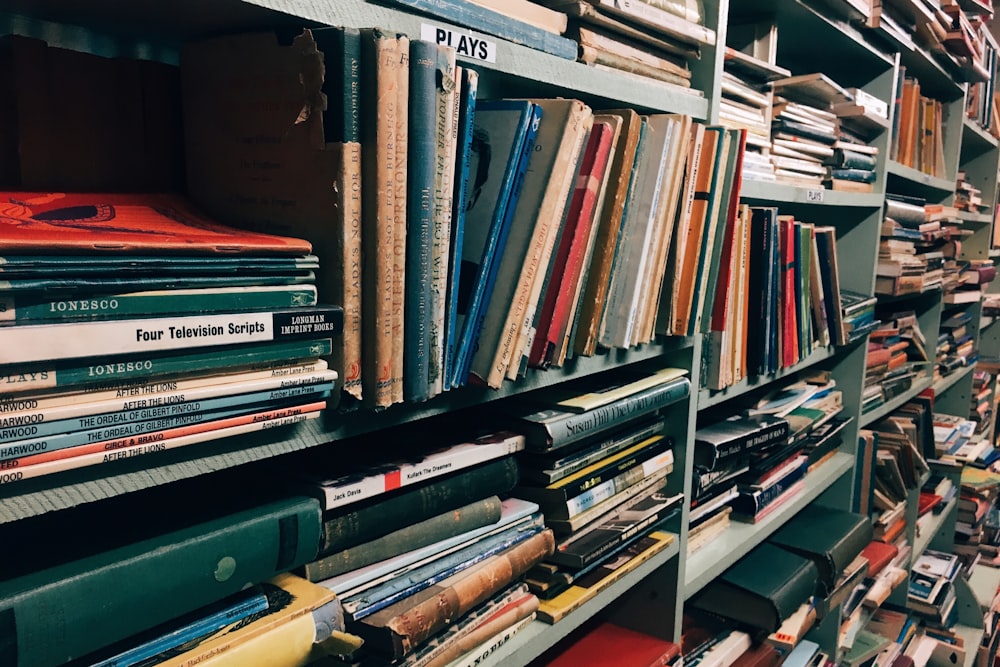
422,111
400,148
47,222
788,315
380,58
762,589
90,338
734,437
503,141
415,536
51,614
831,538
594,392
610,645
460,199
826,248
354,524
396,630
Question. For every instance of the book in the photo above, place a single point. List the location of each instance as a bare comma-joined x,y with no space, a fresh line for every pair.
49,222
400,71
386,475
300,617
831,538
554,428
434,529
52,342
396,630
595,392
608,645
151,370
356,523
588,586
207,561
762,589
503,141
734,437
645,16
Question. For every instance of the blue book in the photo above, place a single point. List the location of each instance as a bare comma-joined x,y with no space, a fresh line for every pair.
463,160
469,15
419,218
503,137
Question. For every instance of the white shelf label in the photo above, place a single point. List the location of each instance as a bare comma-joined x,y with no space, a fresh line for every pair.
815,196
465,42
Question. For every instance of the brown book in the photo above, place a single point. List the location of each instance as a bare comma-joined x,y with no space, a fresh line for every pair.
401,144
602,258
761,655
396,630
380,57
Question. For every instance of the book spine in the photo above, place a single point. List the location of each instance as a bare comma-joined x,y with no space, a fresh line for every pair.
405,626
53,602
750,504
134,372
355,525
142,446
340,492
420,216
608,488
166,302
617,534
401,71
442,526
344,275
480,653
577,426
448,88
25,453
91,413
710,454
463,165
380,55
49,342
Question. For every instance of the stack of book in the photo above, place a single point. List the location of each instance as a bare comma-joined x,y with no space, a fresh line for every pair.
955,344
931,593
971,277
896,357
403,532
136,325
954,437
746,103
978,492
981,402
862,120
655,40
596,462
967,197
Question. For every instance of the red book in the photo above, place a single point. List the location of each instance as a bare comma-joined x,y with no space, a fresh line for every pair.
45,223
568,263
927,502
879,554
609,645
788,318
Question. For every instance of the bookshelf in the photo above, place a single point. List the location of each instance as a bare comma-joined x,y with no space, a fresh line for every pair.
653,595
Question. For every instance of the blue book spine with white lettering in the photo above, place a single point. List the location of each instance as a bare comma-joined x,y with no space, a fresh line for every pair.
472,16
466,123
497,189
41,429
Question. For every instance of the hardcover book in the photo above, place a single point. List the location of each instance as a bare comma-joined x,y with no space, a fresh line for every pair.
610,645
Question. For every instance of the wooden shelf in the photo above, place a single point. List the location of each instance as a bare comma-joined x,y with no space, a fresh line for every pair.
712,559
534,640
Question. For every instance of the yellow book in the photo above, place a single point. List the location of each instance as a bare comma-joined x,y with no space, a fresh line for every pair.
301,616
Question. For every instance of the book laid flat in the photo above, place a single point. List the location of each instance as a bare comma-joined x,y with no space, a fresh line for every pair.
50,342
831,538
51,618
43,223
610,645
762,589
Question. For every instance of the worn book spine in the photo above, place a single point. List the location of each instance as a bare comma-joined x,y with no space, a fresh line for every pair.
55,603
149,370
660,20
609,225
750,503
552,429
366,521
49,342
415,536
419,218
380,56
463,163
448,88
401,144
397,630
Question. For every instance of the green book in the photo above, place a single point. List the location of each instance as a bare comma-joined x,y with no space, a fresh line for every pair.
762,589
66,611
831,538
